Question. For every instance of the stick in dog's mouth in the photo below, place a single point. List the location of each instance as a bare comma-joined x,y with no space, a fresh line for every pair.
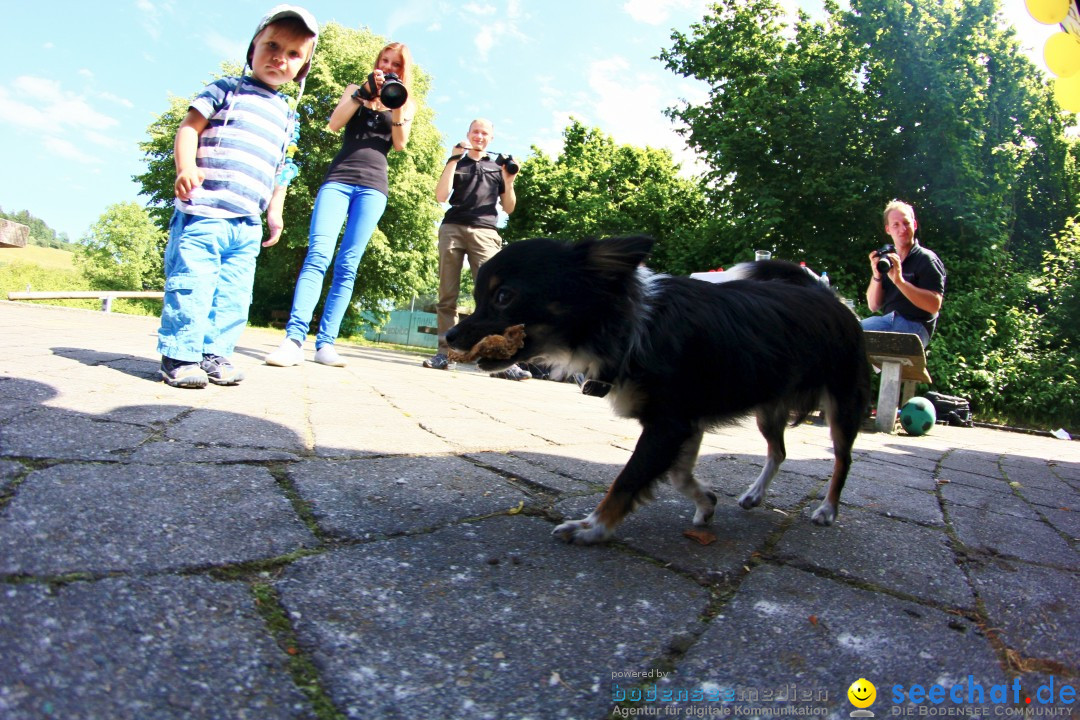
495,347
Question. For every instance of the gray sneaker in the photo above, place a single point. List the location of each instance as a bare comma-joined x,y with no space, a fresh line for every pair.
180,374
439,361
220,371
513,372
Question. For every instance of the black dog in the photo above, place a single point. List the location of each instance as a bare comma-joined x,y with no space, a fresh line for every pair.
680,355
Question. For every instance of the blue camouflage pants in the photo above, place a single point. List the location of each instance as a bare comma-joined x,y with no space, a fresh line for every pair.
209,272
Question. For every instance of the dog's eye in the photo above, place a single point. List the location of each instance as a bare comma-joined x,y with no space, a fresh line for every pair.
503,297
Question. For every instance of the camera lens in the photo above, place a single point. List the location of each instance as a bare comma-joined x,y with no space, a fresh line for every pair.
393,94
884,265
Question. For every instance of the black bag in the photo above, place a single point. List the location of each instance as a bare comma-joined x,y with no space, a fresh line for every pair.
950,409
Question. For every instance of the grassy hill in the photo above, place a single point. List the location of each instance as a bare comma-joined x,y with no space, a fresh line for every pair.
48,258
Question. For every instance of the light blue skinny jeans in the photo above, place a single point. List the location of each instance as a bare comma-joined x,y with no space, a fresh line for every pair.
895,322
363,206
209,271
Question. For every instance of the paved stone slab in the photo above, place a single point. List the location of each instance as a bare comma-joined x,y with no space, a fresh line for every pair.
595,464
787,627
103,518
379,497
884,469
51,433
657,530
167,452
894,501
884,553
228,429
1034,607
545,480
161,648
493,619
731,476
1066,522
1031,540
1000,501
9,470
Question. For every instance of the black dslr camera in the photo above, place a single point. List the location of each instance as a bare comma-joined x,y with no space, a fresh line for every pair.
393,94
884,262
508,162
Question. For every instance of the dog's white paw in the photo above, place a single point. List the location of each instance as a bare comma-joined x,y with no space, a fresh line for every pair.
751,498
704,515
586,531
825,514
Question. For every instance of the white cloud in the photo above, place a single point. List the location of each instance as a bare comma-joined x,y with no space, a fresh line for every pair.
68,151
625,104
657,12
478,9
152,12
227,48
62,122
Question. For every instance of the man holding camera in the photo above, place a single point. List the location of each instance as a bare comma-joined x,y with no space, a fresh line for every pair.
473,183
907,282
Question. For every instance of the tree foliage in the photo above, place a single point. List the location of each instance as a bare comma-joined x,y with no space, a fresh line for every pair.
123,250
809,130
40,233
597,188
400,260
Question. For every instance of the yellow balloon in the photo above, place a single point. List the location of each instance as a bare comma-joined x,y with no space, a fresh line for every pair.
1067,93
1062,54
1048,12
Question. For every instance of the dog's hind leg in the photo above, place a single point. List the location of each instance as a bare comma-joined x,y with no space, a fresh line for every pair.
770,421
844,420
682,479
657,449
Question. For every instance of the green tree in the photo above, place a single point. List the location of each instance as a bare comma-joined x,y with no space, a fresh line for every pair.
400,259
596,187
123,250
808,131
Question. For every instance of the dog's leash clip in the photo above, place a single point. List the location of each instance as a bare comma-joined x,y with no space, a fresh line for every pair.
595,388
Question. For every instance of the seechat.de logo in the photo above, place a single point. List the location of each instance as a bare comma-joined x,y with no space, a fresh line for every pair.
862,694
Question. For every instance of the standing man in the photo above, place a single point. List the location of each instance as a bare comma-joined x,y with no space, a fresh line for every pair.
909,292
473,184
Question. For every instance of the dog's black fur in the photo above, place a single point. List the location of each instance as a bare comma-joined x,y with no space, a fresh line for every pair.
681,355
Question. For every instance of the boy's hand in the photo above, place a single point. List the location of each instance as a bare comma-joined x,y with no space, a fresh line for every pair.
276,225
188,180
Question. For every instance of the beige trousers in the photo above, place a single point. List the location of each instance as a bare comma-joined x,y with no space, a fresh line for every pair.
456,242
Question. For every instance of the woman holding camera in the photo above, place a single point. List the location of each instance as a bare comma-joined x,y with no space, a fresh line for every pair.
354,193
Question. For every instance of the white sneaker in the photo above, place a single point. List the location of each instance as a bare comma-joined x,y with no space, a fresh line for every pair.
288,353
327,355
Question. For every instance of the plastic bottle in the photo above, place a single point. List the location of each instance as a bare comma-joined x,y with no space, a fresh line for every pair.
825,278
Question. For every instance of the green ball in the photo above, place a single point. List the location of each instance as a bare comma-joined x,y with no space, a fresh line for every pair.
918,416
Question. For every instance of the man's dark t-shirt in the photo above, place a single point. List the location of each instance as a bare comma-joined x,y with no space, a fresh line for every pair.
923,269
476,189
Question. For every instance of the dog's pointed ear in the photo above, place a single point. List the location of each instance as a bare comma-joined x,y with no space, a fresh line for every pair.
618,256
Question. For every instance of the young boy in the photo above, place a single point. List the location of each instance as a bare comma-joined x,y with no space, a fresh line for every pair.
230,153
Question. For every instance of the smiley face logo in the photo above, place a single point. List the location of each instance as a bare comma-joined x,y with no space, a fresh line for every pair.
862,693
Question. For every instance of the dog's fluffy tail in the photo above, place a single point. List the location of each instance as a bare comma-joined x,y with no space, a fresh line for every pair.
765,270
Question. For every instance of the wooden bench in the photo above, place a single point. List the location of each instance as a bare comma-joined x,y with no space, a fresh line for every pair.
105,296
903,363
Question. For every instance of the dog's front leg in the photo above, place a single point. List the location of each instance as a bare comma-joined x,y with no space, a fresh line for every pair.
656,451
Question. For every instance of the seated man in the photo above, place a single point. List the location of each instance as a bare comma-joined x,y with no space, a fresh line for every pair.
907,281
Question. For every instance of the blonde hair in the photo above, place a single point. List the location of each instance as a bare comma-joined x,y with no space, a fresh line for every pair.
897,205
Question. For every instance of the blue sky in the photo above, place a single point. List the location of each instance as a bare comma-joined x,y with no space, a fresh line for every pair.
83,81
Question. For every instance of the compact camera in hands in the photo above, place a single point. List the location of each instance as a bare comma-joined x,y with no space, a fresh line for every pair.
884,262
